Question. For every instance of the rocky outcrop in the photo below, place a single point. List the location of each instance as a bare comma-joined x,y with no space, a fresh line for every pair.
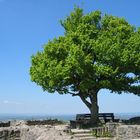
19,130
44,133
10,133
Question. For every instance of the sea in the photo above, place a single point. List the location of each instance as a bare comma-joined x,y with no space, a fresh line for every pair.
63,117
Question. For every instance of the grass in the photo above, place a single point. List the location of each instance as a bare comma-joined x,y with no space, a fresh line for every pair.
105,134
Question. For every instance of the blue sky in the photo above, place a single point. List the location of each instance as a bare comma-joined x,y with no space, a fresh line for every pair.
25,26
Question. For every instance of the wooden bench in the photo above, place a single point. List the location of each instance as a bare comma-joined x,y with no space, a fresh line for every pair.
106,117
83,119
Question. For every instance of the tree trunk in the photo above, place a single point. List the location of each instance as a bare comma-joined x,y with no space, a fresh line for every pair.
92,106
94,109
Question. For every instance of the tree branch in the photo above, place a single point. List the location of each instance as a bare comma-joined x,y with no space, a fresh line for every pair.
85,101
67,91
73,94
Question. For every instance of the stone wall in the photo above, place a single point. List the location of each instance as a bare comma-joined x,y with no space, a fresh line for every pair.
128,132
43,122
124,132
112,127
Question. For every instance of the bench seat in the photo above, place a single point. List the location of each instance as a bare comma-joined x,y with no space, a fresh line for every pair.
84,119
102,117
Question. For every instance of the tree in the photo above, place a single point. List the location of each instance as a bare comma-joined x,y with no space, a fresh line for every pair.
96,52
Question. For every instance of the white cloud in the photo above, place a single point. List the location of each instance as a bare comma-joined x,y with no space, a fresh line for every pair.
11,102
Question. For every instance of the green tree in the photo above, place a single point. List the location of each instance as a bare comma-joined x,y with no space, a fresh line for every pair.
96,52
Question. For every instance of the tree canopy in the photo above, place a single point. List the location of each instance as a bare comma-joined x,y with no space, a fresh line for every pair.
96,52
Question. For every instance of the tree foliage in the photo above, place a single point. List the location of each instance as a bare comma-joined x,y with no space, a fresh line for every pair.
97,51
